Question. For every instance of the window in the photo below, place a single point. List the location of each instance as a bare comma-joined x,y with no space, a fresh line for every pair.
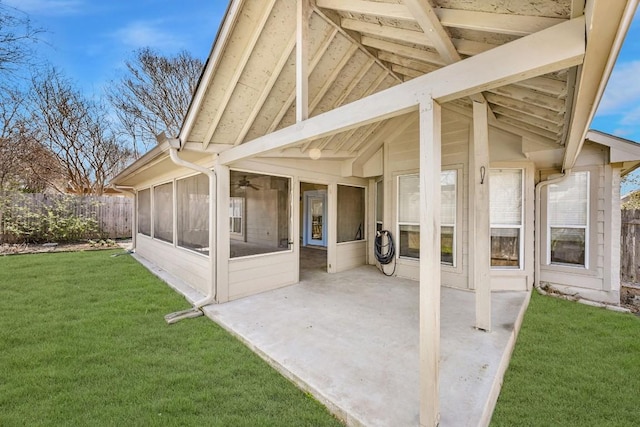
163,212
506,217
568,218
409,216
448,195
260,209
350,213
144,212
193,213
236,213
379,205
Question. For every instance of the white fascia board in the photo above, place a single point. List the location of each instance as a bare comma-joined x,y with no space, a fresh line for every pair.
217,49
621,150
145,160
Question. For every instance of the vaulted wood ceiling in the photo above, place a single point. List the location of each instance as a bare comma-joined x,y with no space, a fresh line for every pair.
360,47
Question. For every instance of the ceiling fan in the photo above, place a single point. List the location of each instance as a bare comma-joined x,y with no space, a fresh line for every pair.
244,183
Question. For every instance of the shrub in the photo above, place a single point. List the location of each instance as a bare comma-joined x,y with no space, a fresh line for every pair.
41,218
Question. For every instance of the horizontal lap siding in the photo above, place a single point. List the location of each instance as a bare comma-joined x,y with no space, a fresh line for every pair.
188,266
403,157
248,276
350,255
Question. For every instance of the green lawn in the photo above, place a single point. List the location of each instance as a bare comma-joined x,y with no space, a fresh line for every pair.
83,342
573,365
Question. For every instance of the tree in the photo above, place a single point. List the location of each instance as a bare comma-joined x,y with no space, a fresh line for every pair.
77,131
25,164
16,37
154,95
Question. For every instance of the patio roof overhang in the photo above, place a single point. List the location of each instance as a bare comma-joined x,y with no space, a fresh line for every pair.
357,48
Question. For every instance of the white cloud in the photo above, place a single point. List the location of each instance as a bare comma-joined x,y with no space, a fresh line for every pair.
46,7
632,117
623,90
139,34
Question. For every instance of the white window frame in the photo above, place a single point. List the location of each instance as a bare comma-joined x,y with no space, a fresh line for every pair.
586,228
177,212
399,223
520,227
454,246
241,201
150,206
379,223
173,212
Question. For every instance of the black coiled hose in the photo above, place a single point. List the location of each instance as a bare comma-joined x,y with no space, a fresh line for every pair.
385,252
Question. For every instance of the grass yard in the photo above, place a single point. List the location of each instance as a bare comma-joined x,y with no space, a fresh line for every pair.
573,365
83,342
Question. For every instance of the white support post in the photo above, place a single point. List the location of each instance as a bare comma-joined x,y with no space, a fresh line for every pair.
295,235
222,252
430,167
480,273
302,60
332,228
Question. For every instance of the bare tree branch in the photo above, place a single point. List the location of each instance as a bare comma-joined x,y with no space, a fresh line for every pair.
154,95
24,163
17,35
77,131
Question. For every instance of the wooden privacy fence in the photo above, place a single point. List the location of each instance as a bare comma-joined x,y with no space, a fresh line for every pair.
38,217
630,246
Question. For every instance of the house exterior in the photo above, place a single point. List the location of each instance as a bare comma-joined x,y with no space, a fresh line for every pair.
457,127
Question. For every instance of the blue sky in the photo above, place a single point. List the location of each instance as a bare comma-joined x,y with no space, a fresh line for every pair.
89,41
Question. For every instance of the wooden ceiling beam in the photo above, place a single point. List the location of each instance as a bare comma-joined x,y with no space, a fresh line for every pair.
411,63
464,47
524,107
286,53
554,136
459,106
332,78
556,48
400,49
517,25
354,82
535,121
292,96
303,16
242,63
428,20
382,10
351,38
433,29
545,85
530,96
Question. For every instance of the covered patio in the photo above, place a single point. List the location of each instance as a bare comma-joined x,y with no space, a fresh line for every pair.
351,340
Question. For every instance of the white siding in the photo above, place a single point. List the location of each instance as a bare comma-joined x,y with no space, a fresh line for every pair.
351,254
600,281
402,157
260,273
189,266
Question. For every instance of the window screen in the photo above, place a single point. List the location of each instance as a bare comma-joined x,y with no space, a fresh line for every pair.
193,213
163,212
568,217
506,217
144,212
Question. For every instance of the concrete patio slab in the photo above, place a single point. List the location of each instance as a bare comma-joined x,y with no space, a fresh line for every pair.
351,339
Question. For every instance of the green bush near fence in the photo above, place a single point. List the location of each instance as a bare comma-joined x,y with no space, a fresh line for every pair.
56,219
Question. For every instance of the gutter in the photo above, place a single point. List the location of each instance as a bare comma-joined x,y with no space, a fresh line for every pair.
538,227
173,154
134,219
